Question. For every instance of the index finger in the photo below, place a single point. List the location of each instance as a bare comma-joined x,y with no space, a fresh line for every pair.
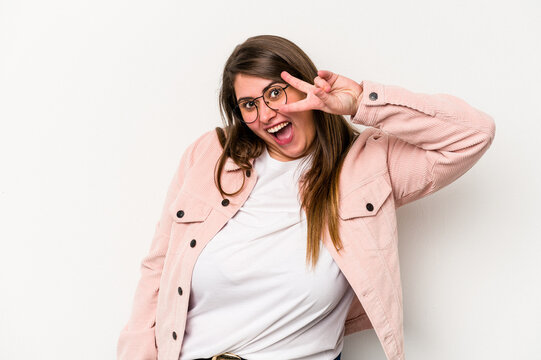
296,83
296,106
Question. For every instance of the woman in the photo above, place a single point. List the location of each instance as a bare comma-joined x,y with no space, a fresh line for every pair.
278,233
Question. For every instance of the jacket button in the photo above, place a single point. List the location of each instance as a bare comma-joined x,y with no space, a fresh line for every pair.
373,96
179,290
180,213
369,207
225,202
174,335
248,173
192,243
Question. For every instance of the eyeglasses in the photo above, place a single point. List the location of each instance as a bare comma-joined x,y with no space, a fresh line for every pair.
273,97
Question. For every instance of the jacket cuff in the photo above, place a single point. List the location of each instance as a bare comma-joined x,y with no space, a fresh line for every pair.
137,345
373,95
376,94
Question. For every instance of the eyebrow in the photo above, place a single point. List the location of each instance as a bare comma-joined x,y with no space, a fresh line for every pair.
262,92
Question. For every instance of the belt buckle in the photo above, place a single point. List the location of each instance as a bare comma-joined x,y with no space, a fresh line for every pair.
226,356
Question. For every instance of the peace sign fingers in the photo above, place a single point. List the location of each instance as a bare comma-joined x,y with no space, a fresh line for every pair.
312,92
296,83
301,105
331,93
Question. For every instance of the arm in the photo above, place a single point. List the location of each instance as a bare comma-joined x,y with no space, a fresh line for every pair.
431,139
137,338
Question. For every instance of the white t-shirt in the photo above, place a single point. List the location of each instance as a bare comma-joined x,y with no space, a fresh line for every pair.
251,292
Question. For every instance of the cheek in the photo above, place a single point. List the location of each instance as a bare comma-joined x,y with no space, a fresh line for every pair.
255,129
252,127
308,124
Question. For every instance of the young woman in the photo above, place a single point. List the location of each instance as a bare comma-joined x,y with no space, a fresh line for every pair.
278,234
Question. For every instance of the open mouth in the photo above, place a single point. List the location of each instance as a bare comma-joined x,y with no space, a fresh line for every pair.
282,133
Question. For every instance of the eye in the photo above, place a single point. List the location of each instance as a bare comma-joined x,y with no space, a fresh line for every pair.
247,105
275,92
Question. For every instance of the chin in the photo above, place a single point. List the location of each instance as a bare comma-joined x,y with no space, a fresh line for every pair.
296,154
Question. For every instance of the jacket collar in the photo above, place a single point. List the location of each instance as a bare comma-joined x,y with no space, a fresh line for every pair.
230,165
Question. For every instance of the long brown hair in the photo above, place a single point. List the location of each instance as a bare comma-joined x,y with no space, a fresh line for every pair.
266,56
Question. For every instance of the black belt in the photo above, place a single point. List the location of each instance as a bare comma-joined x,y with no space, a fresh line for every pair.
220,358
224,357
336,358
211,358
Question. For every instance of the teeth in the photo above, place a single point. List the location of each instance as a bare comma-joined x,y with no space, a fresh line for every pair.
274,129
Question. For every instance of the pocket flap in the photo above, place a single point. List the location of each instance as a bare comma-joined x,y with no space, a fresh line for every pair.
366,200
189,208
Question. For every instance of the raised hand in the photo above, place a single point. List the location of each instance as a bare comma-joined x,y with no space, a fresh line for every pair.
332,93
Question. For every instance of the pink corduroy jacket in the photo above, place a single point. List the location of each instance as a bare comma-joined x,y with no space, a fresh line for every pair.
414,145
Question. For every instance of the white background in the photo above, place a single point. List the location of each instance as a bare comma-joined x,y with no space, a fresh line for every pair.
98,100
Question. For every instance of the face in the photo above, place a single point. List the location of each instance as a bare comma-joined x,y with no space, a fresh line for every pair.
292,141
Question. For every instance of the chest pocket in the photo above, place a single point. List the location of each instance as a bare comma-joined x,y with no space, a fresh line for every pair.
187,208
188,213
368,214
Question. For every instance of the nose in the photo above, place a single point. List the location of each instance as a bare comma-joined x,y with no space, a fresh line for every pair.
265,112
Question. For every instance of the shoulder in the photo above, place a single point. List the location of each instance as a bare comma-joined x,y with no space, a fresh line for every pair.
369,140
206,140
206,147
366,158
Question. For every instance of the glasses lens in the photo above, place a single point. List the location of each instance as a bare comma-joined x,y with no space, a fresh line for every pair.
248,110
275,96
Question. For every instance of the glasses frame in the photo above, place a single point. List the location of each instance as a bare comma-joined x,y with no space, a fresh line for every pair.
237,107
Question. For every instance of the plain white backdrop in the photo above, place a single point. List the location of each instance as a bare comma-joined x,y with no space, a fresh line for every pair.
98,100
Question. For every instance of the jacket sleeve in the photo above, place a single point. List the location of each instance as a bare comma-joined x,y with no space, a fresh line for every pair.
137,338
431,139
